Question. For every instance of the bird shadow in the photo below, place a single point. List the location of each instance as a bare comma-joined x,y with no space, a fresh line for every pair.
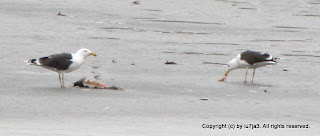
54,88
253,84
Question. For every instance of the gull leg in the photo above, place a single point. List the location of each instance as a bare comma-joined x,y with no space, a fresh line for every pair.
254,71
60,80
245,79
63,80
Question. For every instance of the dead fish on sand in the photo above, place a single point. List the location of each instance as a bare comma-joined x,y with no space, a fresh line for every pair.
93,81
95,84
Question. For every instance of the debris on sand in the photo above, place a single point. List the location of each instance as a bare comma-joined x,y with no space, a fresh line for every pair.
89,84
93,81
59,14
222,79
265,91
285,69
170,63
95,67
96,84
204,99
136,2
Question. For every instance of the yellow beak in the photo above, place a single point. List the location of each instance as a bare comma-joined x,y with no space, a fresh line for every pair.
226,73
225,76
93,54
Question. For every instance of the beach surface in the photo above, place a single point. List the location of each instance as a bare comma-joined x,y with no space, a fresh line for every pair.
134,41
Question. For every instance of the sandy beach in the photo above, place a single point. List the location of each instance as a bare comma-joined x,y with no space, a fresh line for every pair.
158,99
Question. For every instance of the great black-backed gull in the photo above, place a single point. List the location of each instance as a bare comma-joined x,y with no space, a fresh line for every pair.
249,60
62,63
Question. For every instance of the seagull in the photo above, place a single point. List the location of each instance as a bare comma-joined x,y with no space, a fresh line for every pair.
249,60
63,62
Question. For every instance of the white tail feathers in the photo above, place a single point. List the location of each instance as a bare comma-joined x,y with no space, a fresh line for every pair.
32,62
29,62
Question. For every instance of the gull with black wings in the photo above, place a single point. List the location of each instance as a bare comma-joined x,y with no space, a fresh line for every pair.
63,62
249,60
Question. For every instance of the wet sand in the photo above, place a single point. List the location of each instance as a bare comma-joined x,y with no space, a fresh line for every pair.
159,99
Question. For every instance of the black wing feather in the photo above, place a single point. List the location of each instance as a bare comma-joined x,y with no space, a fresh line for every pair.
252,57
58,61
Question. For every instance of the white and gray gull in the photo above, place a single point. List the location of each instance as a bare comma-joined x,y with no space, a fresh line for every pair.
62,63
249,60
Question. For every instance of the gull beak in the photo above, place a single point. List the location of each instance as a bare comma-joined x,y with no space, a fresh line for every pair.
226,73
93,54
225,76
